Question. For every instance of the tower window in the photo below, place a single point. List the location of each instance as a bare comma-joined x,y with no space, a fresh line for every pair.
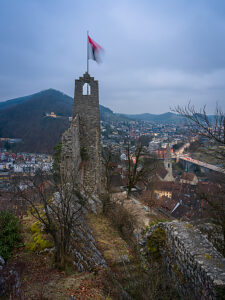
86,89
168,165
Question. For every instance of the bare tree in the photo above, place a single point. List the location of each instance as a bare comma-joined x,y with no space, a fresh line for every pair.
210,127
57,206
140,166
107,160
110,160
214,206
213,129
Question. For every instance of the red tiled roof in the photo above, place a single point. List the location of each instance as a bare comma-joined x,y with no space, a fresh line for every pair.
167,203
162,172
188,176
167,186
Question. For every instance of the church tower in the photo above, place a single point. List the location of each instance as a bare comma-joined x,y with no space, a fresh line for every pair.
168,165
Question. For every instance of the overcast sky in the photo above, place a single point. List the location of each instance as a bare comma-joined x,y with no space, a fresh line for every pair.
157,53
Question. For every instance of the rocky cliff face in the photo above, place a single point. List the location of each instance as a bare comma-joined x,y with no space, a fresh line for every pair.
84,250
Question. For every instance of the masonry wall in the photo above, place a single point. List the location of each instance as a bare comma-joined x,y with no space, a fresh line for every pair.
70,156
87,108
81,147
194,266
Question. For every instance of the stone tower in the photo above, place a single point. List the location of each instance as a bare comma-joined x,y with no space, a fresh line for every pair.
81,145
168,165
86,107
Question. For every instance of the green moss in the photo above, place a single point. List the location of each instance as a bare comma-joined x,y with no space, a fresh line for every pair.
146,229
158,221
190,226
207,256
155,242
35,227
38,242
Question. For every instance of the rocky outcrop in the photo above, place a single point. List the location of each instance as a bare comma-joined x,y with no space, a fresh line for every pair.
86,255
10,279
2,290
83,249
194,266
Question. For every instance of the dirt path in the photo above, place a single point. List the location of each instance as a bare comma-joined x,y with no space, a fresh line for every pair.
144,215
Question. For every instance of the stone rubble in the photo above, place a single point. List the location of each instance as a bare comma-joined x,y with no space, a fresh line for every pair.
10,279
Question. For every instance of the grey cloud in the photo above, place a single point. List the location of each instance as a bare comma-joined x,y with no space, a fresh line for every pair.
156,53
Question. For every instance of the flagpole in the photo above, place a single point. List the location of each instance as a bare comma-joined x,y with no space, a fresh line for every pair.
87,58
87,53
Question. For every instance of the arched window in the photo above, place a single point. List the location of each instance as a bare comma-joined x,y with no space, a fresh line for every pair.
86,89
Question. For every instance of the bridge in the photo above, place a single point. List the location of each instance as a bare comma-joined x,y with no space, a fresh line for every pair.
201,164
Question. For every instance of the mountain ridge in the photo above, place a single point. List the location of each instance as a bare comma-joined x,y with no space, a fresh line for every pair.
25,118
8,103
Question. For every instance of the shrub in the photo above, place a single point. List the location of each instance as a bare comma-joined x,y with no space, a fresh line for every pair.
155,242
123,220
106,203
9,233
38,242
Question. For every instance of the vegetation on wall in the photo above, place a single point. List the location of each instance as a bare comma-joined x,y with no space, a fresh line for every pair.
83,154
57,161
155,242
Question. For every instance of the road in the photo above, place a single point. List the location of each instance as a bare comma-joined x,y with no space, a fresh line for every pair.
201,163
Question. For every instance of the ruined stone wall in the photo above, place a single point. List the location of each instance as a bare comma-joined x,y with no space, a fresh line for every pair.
70,156
194,266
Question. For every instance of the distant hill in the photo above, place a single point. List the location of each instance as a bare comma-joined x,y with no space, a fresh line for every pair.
12,102
162,118
25,118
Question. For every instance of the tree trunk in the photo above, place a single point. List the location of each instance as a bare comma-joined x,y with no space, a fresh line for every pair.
60,257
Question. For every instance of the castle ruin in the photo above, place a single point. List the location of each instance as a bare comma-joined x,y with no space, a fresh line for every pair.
81,145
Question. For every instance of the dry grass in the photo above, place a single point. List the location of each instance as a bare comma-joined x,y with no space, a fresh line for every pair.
136,208
125,263
41,281
109,241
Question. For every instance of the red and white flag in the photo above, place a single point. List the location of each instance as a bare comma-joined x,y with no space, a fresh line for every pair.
95,50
